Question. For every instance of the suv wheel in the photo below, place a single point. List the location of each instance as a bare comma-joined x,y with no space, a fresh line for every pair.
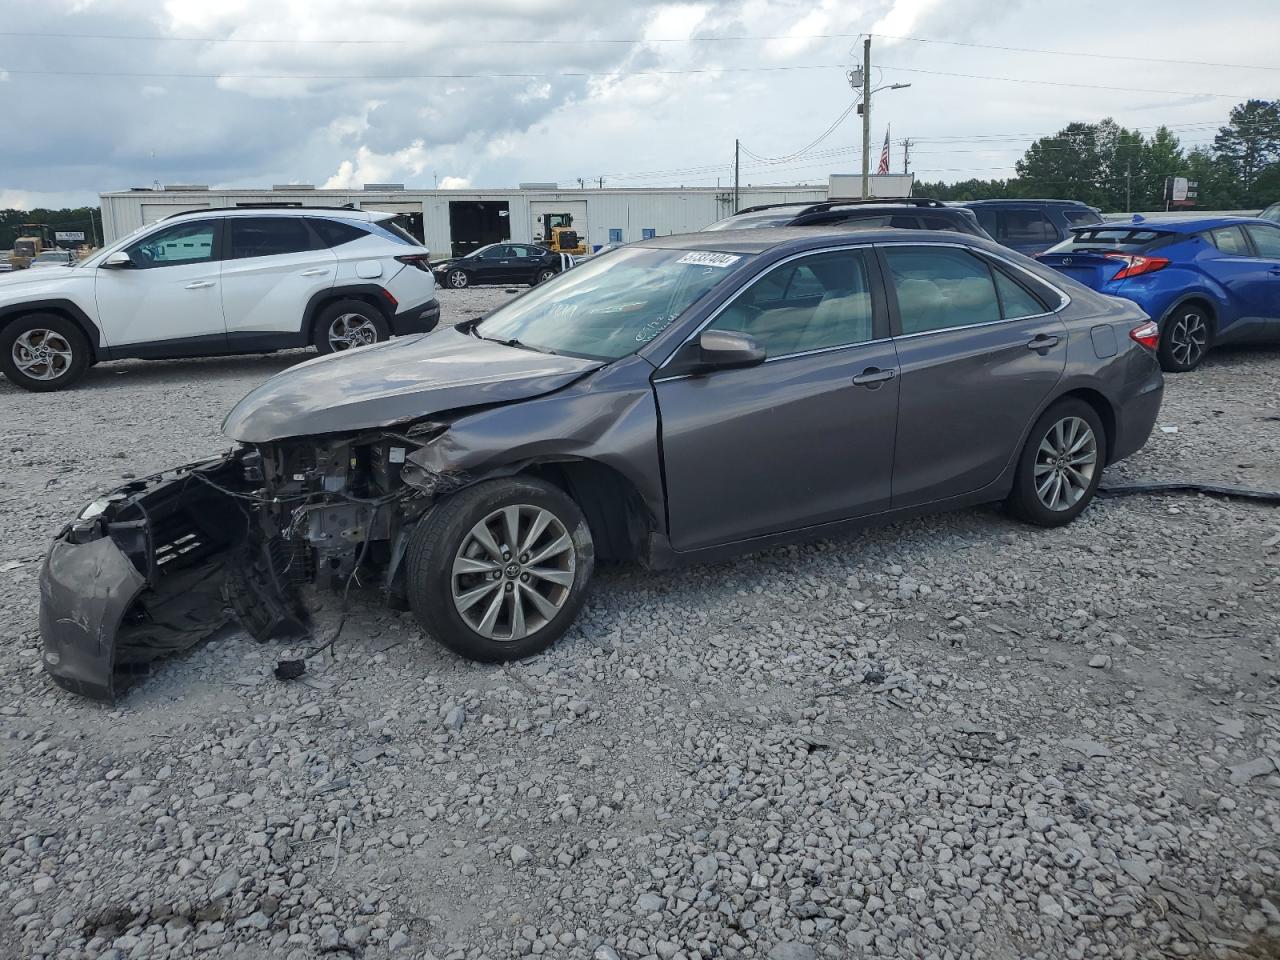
43,352
1061,465
1185,337
545,274
458,279
348,324
499,571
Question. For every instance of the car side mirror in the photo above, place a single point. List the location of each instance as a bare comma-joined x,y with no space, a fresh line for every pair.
117,261
717,350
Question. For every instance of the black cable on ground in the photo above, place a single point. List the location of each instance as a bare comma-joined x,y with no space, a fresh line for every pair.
1225,490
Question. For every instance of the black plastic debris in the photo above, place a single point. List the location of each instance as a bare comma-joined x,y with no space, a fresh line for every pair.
290,669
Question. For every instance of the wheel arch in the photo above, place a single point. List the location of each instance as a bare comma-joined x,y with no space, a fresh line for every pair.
370,293
616,512
1102,406
67,310
1198,298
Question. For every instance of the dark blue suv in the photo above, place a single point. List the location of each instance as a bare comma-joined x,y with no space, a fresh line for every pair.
1205,280
1031,226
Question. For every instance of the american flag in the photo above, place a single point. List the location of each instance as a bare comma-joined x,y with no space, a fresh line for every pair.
884,154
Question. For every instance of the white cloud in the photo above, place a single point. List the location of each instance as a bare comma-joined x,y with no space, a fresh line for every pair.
454,183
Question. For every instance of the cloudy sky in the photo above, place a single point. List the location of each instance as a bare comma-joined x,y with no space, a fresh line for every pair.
107,94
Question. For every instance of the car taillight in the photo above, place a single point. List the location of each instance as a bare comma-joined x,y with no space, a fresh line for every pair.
420,260
1136,265
1148,335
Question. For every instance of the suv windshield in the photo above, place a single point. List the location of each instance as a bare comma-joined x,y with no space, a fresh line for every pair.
777,217
1125,239
611,307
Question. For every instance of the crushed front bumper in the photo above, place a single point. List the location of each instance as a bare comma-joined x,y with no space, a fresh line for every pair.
139,574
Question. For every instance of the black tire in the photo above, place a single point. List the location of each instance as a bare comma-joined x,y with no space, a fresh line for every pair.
25,337
1024,499
542,276
1186,335
447,529
362,321
458,279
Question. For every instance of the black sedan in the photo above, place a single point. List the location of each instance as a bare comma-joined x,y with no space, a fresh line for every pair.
502,263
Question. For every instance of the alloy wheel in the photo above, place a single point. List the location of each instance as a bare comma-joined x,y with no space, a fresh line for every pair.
42,354
513,572
352,330
458,279
1065,463
546,275
1188,336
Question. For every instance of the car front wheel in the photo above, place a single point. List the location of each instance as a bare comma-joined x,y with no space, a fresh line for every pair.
1185,337
458,279
500,570
1060,466
43,352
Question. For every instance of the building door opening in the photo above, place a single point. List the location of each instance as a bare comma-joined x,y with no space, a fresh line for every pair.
473,223
408,216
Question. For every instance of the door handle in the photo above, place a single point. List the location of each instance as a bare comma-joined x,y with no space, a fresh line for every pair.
316,272
1274,271
200,284
873,375
1042,342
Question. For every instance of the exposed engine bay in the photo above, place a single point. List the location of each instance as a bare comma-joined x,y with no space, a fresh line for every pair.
157,565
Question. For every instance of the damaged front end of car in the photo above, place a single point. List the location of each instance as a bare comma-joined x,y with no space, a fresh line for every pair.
163,562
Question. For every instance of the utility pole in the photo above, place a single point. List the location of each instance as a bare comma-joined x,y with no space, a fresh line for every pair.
866,117
906,155
736,151
1128,186
602,183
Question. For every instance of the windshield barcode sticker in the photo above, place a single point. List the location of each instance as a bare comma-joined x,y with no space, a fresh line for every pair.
710,259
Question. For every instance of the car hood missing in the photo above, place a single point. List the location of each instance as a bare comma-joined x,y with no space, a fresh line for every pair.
396,382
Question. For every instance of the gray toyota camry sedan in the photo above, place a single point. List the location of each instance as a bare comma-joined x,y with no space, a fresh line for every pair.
679,399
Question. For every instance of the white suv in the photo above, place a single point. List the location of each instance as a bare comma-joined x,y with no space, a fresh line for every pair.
208,282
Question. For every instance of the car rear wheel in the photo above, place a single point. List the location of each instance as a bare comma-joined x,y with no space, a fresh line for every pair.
43,352
348,324
545,274
459,279
1060,466
1185,337
499,571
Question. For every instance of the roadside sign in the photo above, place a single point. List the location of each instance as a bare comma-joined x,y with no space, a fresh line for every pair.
69,236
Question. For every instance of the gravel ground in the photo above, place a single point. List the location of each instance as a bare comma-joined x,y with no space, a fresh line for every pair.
955,737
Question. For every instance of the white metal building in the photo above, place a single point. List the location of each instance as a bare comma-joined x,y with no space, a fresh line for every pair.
452,222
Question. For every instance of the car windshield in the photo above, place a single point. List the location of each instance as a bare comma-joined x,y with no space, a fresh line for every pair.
611,307
1124,239
777,217
1271,213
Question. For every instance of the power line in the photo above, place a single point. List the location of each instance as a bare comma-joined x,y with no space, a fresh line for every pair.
584,41
803,150
1064,83
147,75
1069,53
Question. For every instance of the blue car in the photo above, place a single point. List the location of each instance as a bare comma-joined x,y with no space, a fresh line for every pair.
1206,281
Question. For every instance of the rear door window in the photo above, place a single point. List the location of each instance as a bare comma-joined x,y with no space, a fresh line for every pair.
940,288
1026,226
268,236
1015,302
1078,218
1266,239
335,233
1231,241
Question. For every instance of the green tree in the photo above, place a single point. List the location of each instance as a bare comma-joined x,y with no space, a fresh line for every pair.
1248,145
84,219
1069,164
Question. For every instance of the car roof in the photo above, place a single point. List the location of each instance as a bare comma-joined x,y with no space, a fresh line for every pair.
803,238
1016,202
340,213
1175,224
